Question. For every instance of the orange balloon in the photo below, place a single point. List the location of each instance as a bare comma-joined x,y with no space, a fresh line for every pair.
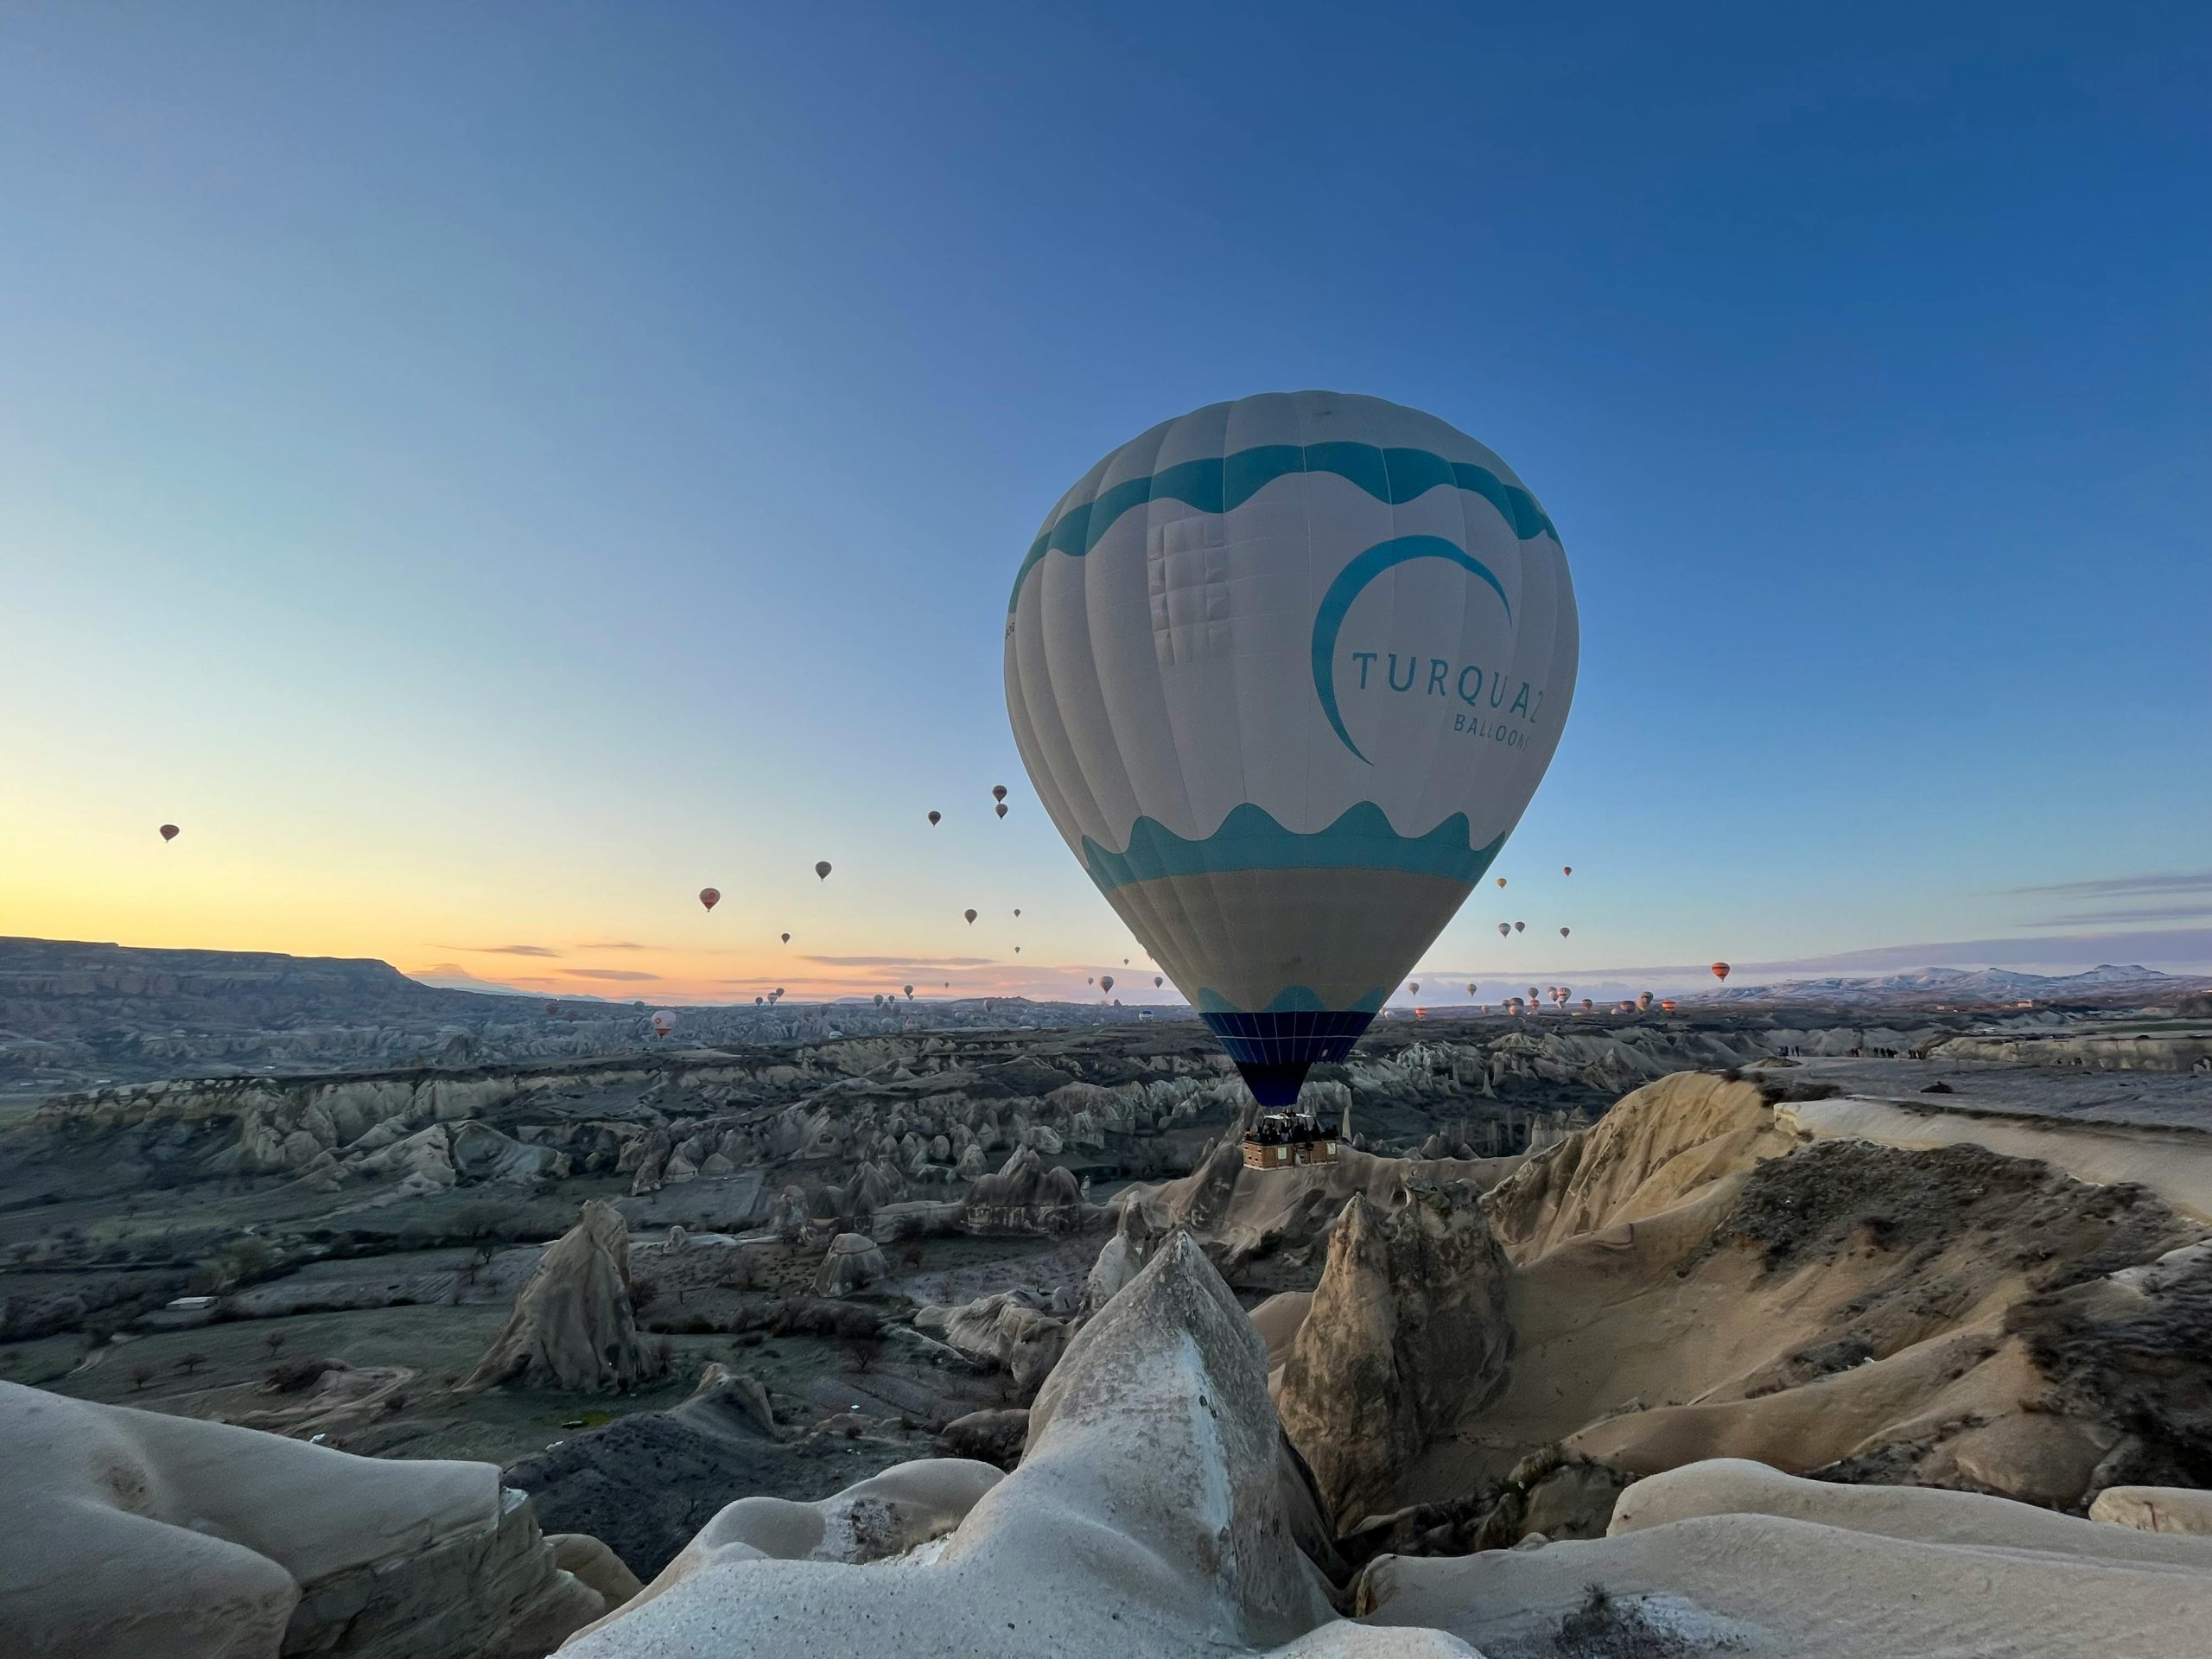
1721,970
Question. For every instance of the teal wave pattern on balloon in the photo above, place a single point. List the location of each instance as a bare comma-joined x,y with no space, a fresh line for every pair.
1292,999
1250,839
1226,482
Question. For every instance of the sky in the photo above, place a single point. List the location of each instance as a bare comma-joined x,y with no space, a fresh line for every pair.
488,472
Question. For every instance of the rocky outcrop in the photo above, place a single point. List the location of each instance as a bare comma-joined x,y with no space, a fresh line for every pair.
1407,1330
1732,1558
1008,1330
572,1326
1026,1195
1246,1218
145,1536
1149,1516
854,1263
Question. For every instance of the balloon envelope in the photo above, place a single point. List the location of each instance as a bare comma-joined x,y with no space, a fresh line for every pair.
1504,929
823,869
1285,673
970,915
1106,982
935,817
998,791
1567,869
1517,926
169,832
787,938
710,897
1721,970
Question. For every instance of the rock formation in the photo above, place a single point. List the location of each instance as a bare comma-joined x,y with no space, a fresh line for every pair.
854,1263
1407,1331
1149,1515
145,1536
1008,1329
572,1326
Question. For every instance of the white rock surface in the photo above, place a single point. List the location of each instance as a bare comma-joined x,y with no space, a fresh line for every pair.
136,1536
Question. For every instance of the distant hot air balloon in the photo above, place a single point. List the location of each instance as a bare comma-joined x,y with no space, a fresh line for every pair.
936,818
1105,982
1644,1002
823,869
1721,970
1504,928
1017,910
169,832
1587,1005
1157,982
1414,988
710,897
664,1022
998,791
1667,1004
910,991
1533,993
1088,980
970,915
879,998
1567,869
1500,880
780,990
757,1001
1017,949
1562,932
1517,926
787,938
1471,987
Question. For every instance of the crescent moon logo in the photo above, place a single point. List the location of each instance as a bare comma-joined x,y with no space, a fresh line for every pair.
1351,581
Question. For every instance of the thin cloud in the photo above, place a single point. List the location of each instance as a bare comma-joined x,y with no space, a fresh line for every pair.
2124,918
2118,886
902,962
503,949
606,973
616,944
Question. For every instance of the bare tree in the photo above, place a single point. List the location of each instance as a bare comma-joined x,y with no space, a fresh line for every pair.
190,1362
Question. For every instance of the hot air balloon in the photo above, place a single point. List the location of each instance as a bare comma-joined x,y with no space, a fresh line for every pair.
710,897
1157,982
1587,1005
935,817
1017,949
1088,980
1667,1004
1562,932
1533,993
1504,928
1282,830
970,915
1644,1002
1500,880
664,1022
1471,987
1414,988
787,938
1721,970
169,832
1517,926
1105,982
998,791
910,992
1017,910
999,809
823,869
1567,869
879,998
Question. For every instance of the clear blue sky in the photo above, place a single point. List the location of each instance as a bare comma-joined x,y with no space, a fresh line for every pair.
491,470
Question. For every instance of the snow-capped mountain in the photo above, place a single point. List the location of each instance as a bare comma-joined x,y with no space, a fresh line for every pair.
1961,985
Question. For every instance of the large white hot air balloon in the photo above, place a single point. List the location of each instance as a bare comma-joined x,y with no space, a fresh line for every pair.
1285,673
